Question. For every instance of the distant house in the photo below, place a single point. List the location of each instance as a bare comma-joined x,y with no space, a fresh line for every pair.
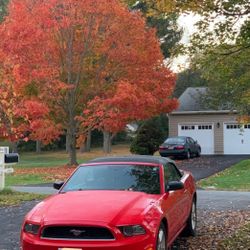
217,131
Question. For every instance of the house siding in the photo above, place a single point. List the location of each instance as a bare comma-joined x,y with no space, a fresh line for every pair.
176,119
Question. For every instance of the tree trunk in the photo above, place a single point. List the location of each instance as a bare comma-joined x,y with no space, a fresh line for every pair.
88,142
86,145
83,147
38,147
72,143
107,139
67,142
72,127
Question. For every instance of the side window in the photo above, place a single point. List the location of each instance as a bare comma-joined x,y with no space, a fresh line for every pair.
171,173
191,140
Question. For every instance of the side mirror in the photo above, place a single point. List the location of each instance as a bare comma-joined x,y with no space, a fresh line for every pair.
174,185
58,185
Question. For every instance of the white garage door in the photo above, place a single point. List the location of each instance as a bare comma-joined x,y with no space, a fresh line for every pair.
202,133
236,139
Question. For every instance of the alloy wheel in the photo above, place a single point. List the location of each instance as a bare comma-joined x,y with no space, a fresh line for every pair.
161,240
194,217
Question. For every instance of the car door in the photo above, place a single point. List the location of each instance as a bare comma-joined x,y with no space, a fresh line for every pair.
174,201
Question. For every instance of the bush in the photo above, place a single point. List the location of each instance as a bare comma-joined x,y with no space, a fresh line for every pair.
29,146
149,136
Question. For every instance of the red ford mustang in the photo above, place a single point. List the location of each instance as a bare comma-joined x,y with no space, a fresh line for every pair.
126,203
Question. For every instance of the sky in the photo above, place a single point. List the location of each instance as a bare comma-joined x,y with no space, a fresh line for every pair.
187,23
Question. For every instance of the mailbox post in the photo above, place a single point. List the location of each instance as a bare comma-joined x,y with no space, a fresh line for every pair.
6,159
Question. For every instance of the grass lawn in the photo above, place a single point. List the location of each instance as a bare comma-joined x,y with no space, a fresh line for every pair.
235,178
240,240
55,159
50,166
10,198
24,179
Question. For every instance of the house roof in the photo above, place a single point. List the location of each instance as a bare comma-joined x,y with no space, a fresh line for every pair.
191,99
194,100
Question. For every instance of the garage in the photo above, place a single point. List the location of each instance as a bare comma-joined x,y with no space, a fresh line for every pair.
217,130
202,133
236,139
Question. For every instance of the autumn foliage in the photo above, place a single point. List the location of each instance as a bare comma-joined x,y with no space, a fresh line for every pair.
22,118
92,64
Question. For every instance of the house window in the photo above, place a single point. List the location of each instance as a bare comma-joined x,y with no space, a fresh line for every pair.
205,127
247,126
188,127
234,126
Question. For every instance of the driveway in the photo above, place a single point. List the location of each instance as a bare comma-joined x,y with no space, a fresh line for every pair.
205,166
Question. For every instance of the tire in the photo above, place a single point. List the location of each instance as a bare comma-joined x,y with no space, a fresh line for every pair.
191,227
198,154
188,155
161,238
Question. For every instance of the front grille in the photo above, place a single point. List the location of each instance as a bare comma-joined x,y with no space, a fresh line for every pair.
77,233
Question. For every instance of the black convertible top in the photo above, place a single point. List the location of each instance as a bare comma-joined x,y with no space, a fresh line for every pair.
133,158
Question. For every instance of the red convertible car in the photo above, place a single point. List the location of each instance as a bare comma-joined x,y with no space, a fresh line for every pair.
125,203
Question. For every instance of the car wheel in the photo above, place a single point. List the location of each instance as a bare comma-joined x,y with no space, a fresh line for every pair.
190,229
198,154
188,155
162,238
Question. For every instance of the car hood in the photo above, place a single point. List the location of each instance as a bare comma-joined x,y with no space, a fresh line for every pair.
109,207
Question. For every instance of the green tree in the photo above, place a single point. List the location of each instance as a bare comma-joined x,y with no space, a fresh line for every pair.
3,9
220,49
165,25
229,79
189,78
223,49
150,135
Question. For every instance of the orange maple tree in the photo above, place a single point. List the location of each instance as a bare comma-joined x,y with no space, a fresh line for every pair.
75,56
23,118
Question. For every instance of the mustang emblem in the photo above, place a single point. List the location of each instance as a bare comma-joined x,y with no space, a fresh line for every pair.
76,232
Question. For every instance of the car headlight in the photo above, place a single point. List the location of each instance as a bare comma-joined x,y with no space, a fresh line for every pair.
134,230
31,228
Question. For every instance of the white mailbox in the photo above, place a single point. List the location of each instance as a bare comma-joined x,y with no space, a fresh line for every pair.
6,159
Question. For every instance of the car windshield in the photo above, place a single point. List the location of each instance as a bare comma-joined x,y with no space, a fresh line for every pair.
175,140
115,177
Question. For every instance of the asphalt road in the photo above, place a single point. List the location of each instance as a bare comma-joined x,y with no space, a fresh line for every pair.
11,217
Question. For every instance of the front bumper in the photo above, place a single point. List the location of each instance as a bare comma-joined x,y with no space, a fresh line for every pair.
30,242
